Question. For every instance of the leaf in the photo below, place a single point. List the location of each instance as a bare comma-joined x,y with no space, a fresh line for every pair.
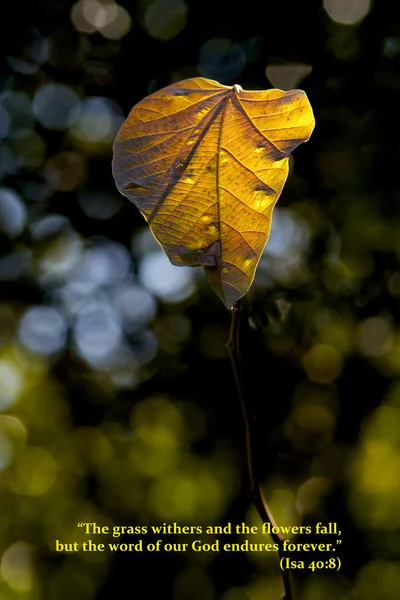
205,164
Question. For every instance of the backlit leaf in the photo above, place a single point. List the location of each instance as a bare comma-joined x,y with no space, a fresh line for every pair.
205,164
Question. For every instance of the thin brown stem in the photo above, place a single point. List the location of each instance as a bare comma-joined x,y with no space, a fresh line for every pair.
257,495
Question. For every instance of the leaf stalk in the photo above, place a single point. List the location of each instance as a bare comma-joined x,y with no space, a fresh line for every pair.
256,492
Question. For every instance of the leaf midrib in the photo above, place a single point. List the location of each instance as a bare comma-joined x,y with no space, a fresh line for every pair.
218,188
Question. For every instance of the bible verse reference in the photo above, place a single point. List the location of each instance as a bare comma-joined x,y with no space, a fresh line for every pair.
172,538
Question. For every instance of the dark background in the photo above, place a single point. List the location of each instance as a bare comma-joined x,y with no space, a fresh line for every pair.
117,398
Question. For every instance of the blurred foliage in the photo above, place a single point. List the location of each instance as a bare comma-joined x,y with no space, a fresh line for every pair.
117,402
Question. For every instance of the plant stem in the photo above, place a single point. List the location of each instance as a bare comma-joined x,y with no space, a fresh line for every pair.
255,488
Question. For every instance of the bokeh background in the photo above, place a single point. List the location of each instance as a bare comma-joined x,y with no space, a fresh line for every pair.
117,401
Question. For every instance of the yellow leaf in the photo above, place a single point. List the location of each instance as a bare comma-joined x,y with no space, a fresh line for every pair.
205,165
